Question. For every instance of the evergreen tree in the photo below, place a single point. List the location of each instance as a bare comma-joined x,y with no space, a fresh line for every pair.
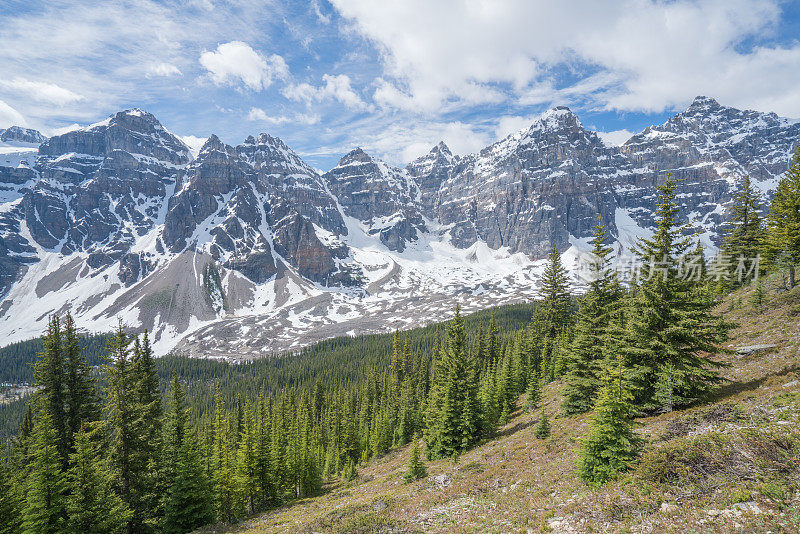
759,295
9,503
555,295
671,324
415,468
82,402
782,241
44,511
534,392
49,376
611,445
744,240
585,358
455,423
188,502
542,429
93,506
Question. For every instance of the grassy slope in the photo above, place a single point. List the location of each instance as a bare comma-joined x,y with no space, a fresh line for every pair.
732,464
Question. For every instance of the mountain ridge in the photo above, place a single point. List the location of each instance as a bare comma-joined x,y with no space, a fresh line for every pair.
247,249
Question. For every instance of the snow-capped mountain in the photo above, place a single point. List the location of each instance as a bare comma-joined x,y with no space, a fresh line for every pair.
246,249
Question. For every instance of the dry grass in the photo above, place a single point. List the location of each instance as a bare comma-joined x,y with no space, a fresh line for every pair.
729,465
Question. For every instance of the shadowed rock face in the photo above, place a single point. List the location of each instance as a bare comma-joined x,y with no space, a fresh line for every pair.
430,171
384,198
18,134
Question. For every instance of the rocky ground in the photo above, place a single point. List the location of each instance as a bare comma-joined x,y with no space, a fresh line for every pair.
730,465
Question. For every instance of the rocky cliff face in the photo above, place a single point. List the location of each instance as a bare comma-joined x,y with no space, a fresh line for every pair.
18,134
384,198
551,183
246,249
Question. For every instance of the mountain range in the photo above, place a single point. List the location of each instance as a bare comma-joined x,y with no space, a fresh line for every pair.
245,250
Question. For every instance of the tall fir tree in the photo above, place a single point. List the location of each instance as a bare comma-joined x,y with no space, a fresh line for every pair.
93,506
188,502
9,501
82,401
744,240
555,295
49,374
611,446
782,241
45,511
585,356
672,326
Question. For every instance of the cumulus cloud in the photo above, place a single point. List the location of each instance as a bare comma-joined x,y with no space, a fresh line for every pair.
236,62
402,143
258,114
10,116
335,87
41,91
643,55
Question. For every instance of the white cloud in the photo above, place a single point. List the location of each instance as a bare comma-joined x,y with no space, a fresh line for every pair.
65,129
10,116
258,114
511,124
324,19
615,138
400,144
236,62
336,87
41,91
644,55
163,69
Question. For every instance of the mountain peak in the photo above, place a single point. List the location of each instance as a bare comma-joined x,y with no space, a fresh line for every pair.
357,155
703,102
212,143
442,148
22,135
556,118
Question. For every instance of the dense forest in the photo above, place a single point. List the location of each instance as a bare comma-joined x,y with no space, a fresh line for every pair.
166,445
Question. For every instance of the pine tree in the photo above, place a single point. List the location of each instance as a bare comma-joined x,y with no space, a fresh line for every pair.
45,510
585,357
50,378
542,429
455,422
82,402
744,240
611,445
555,295
121,423
415,468
782,240
534,392
9,503
188,502
671,323
93,506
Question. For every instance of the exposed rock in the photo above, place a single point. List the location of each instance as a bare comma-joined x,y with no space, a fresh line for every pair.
19,134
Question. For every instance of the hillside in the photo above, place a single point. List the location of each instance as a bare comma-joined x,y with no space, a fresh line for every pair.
731,464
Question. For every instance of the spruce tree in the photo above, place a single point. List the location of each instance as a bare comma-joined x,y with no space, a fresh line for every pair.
542,428
555,295
534,392
92,506
188,502
782,241
49,374
9,503
611,445
744,239
671,323
415,468
82,401
45,511
585,357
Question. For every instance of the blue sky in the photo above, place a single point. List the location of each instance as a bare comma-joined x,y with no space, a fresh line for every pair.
391,77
